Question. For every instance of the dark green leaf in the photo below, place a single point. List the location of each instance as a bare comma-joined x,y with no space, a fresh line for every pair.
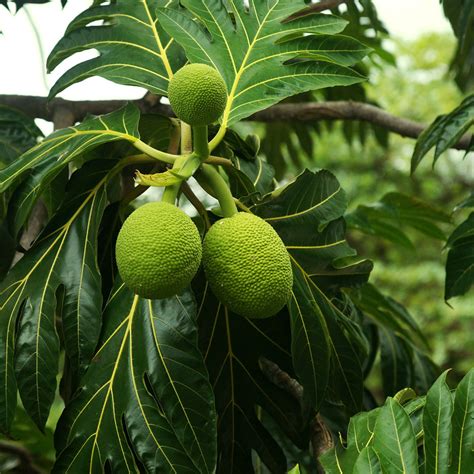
307,216
460,261
63,257
146,402
133,48
395,213
388,313
7,244
309,340
444,132
234,349
262,58
395,361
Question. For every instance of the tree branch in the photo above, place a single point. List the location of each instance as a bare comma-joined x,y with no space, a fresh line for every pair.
317,8
321,437
39,107
26,463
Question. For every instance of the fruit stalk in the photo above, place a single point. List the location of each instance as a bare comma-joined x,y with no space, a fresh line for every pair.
171,192
201,146
210,178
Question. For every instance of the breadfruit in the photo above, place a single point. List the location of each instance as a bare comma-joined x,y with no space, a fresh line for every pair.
197,94
158,250
247,266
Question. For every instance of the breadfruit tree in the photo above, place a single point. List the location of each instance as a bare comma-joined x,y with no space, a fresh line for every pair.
229,325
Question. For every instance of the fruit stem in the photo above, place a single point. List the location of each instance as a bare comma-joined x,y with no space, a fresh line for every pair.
209,178
201,147
170,193
186,139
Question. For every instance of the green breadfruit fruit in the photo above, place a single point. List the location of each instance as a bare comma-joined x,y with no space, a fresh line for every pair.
197,94
247,266
158,250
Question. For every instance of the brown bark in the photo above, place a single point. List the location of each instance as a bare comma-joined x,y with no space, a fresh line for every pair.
75,111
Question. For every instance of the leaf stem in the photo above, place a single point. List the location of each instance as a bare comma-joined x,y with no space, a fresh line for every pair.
218,138
210,179
154,153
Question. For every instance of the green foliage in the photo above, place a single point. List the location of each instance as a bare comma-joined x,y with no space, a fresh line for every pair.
460,13
460,261
391,439
394,214
445,132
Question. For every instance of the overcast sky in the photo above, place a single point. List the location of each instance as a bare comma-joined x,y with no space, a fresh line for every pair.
22,65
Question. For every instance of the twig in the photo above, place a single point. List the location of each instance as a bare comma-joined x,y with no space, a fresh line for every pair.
25,458
39,107
197,204
321,438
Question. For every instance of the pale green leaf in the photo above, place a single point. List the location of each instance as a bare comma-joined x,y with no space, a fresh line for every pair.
437,427
394,440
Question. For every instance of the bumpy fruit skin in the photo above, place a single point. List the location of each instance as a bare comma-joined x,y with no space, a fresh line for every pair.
247,266
197,94
158,250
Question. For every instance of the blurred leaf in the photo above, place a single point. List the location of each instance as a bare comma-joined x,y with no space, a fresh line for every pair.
396,212
21,3
460,14
18,132
146,402
8,247
460,261
263,58
395,362
468,202
133,48
388,313
444,132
